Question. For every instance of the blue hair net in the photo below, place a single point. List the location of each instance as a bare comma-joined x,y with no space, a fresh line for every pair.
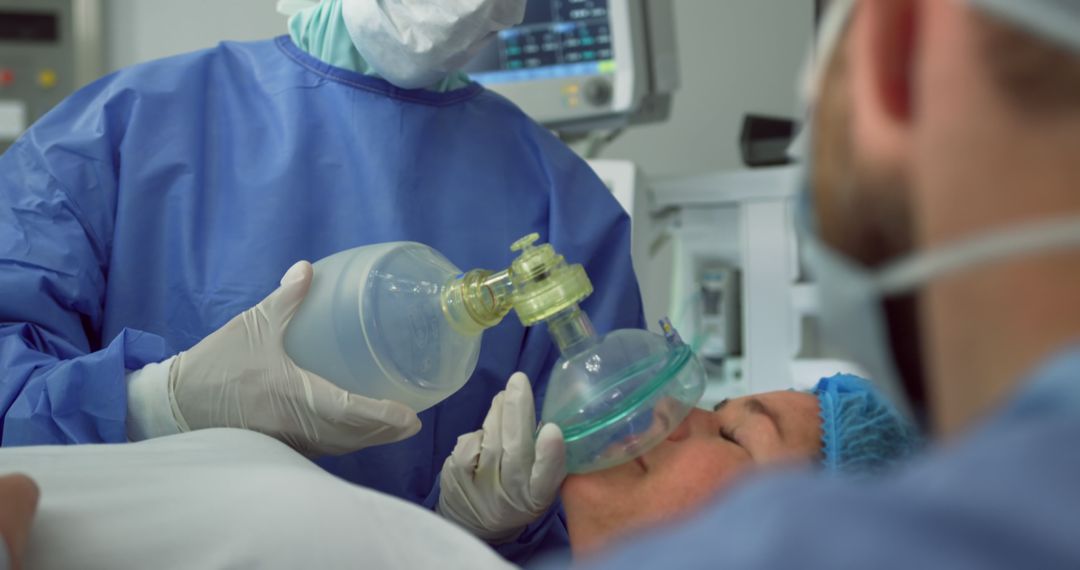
861,431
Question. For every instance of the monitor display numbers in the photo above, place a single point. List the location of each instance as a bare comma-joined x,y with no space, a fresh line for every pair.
557,38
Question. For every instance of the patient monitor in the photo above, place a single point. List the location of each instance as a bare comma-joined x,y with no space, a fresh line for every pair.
583,65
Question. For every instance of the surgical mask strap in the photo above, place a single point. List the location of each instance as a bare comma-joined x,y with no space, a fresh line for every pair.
921,268
830,32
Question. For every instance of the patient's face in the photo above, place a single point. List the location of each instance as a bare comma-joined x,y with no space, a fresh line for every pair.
701,457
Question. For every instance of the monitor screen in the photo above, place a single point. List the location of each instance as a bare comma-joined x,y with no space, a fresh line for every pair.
558,38
29,27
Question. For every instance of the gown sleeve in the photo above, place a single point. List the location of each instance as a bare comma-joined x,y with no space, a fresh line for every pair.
60,381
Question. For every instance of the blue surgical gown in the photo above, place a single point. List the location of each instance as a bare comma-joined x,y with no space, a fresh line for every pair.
1005,496
157,203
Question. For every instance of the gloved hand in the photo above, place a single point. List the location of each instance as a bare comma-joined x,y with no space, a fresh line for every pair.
240,377
499,479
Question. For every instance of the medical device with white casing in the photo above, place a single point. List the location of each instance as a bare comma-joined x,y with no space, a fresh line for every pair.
48,49
399,321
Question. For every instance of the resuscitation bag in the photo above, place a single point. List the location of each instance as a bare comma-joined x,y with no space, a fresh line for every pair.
399,321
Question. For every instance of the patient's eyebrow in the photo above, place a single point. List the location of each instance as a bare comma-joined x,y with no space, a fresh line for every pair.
720,405
756,406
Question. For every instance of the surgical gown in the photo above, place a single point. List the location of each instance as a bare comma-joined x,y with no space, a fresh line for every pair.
1003,497
155,204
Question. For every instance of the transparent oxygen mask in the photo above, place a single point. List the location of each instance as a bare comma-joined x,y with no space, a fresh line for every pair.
614,396
617,396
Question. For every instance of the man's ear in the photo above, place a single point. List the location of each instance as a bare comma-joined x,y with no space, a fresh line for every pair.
884,56
893,28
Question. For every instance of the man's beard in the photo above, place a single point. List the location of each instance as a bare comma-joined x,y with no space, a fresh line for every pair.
864,211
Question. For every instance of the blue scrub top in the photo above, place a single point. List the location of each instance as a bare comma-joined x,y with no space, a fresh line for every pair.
1006,496
157,203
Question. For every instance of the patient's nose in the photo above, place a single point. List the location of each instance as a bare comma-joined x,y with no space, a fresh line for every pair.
684,429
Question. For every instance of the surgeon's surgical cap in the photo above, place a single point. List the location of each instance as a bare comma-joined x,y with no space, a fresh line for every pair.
861,431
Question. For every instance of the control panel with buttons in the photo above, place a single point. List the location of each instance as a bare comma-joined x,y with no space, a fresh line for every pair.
39,52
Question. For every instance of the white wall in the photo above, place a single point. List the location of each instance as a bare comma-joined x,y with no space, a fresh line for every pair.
737,56
141,30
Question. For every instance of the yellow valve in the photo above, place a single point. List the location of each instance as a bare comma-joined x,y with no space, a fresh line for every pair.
525,242
544,284
538,285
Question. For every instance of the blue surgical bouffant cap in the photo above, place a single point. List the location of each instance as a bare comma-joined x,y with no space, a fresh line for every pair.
861,431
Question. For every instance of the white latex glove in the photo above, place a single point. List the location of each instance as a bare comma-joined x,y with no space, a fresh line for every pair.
499,479
240,377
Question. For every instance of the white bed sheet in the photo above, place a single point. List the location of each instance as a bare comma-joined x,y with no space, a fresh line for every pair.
223,499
